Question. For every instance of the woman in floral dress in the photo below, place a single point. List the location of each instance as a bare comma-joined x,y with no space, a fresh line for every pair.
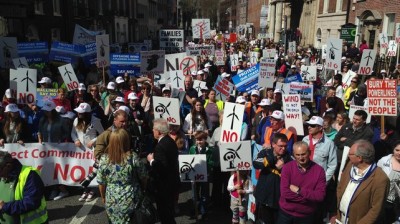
118,173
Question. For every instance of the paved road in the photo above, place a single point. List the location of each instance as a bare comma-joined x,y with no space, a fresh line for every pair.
70,210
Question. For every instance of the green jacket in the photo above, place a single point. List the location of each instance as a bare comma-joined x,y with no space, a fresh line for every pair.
208,150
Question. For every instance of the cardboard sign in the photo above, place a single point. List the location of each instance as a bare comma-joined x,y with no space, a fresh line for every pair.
193,168
8,51
334,54
383,40
253,57
171,40
180,61
397,33
69,77
34,52
324,48
20,63
167,108
309,73
89,55
223,88
354,108
232,38
232,122
392,50
200,50
235,156
382,97
45,94
177,79
292,49
269,53
293,115
201,28
219,57
103,50
267,73
367,62
198,85
346,79
152,62
26,85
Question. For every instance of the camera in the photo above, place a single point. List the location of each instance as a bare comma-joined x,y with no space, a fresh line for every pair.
85,182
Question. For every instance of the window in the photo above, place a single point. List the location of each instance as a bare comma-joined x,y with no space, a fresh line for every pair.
75,7
56,8
39,7
339,5
389,25
326,4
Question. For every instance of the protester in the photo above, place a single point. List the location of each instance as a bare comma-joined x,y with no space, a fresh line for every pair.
239,186
196,120
14,128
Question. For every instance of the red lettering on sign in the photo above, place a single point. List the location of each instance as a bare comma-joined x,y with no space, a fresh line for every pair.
228,136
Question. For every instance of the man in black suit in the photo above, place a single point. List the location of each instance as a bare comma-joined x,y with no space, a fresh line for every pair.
164,171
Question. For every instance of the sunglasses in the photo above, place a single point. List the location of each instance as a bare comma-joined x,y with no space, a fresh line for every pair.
312,125
353,81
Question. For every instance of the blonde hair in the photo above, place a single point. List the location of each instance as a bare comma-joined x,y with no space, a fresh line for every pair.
118,148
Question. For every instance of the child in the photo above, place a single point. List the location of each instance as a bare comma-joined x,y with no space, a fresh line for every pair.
239,189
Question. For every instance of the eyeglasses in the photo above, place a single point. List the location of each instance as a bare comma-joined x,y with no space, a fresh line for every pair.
353,81
281,146
312,125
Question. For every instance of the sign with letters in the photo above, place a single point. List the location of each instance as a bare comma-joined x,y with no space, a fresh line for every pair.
167,108
34,52
235,156
219,57
382,97
367,62
200,50
334,53
193,168
232,122
69,77
292,112
171,40
26,85
269,53
103,50
309,73
267,73
180,61
201,28
392,49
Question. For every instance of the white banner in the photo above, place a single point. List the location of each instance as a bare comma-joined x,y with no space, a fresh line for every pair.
26,85
334,54
235,156
232,122
267,73
152,62
167,108
201,28
84,36
103,50
193,168
309,73
293,115
59,163
69,77
8,51
367,62
180,61
200,50
177,79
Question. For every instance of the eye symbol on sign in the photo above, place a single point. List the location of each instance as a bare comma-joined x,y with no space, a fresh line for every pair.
187,168
162,109
332,52
231,155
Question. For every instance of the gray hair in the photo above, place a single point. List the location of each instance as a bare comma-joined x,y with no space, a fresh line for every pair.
300,144
365,150
161,125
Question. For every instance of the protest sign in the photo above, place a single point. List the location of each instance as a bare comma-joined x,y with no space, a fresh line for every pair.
66,53
305,90
89,55
125,63
200,50
84,36
219,57
198,86
34,52
103,50
292,48
367,62
232,122
26,85
167,108
180,61
269,53
308,73
247,80
253,57
392,50
223,88
171,41
334,54
20,63
152,62
235,156
8,51
234,58
201,28
59,163
45,94
177,80
267,73
293,115
193,168
69,77
382,97
354,108
383,40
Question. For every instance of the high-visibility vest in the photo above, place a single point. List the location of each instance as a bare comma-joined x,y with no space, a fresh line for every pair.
268,133
219,103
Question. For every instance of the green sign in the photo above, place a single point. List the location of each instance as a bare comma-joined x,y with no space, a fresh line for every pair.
348,33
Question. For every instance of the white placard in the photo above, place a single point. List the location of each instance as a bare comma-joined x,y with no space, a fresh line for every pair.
180,61
103,50
8,51
232,122
177,79
305,90
200,50
367,62
193,168
26,85
235,156
219,57
383,40
309,73
293,115
324,53
269,53
397,33
267,73
167,108
152,62
20,63
161,79
171,40
353,109
234,59
198,85
201,28
334,54
392,50
69,77
253,57
345,154
292,49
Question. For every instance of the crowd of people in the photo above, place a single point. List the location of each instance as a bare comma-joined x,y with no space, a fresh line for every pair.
300,179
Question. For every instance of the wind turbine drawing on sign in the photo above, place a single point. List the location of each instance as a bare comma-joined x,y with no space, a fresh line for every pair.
186,67
305,73
177,78
234,59
21,65
292,47
332,52
393,45
254,58
198,88
27,81
383,38
368,57
68,73
398,31
233,114
102,50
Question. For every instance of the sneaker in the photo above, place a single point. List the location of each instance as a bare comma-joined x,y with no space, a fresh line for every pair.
83,196
61,195
53,194
90,196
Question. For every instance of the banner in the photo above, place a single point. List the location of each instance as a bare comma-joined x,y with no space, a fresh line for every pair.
84,36
382,97
69,77
267,73
232,122
180,61
193,168
45,94
103,50
200,50
26,85
34,52
167,108
59,163
367,62
223,88
66,53
293,115
89,55
172,41
235,156
334,54
201,28
247,80
125,63
152,62
8,51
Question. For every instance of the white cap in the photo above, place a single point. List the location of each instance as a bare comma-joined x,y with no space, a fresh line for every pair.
207,65
200,72
45,80
60,109
308,51
299,57
111,85
81,86
8,93
343,58
69,114
278,91
132,96
119,80
12,107
166,88
316,120
265,102
119,99
305,111
193,73
240,99
383,71
277,114
124,108
206,70
293,66
255,92
83,108
48,105
225,75
303,60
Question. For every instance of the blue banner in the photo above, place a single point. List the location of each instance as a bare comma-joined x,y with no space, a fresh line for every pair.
34,52
256,148
125,63
90,55
67,53
245,80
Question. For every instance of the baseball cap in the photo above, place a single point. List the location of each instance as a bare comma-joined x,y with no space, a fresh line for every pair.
45,80
12,107
83,108
119,80
48,105
278,91
343,58
240,99
303,60
200,72
207,65
111,85
277,114
305,111
193,73
133,96
81,86
293,66
69,115
225,75
166,88
119,99
316,120
206,70
265,102
255,92
8,93
383,71
60,109
123,108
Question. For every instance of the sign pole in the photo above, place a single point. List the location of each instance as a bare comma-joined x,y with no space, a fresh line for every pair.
196,212
382,124
238,180
104,78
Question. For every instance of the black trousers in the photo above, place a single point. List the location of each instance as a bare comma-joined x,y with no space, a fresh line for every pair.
165,206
